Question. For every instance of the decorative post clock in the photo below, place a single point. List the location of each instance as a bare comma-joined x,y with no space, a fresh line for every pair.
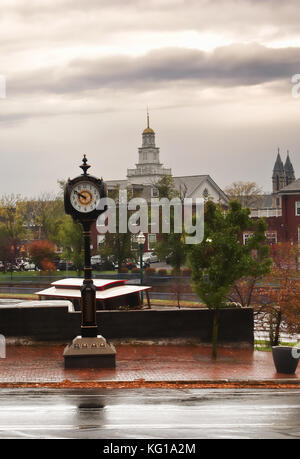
81,197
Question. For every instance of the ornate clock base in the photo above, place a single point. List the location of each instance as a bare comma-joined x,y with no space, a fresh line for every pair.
87,352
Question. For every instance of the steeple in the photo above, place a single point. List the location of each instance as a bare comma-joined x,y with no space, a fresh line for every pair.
148,168
283,175
278,167
148,129
148,135
278,177
289,170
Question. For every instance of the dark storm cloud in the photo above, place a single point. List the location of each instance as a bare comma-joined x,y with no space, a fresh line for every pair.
235,65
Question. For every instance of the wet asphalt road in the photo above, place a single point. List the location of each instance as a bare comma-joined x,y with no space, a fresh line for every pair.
149,413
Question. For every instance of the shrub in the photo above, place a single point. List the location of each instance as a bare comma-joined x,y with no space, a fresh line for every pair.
186,272
162,272
40,251
124,270
150,271
135,270
47,265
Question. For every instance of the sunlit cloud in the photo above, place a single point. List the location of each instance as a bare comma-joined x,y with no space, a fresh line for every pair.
216,75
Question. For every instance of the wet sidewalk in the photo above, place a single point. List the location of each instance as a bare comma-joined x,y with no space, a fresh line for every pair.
142,365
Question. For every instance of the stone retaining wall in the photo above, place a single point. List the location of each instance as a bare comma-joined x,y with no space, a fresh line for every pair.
57,321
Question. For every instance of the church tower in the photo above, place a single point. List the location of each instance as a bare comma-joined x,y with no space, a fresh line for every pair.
289,170
148,169
278,177
282,176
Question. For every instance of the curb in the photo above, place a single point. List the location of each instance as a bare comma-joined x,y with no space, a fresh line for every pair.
141,383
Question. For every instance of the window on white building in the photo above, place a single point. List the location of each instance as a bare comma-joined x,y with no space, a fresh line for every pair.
205,194
297,207
151,241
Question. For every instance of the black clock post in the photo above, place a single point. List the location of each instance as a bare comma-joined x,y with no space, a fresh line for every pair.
89,350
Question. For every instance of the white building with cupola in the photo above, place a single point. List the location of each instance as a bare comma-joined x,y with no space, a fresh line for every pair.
149,170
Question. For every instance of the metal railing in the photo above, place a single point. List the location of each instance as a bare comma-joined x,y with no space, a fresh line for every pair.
266,213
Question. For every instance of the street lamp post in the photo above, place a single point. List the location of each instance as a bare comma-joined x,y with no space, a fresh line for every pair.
141,241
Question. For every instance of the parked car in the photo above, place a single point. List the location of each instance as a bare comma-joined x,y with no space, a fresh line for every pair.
130,264
26,265
96,259
101,264
10,267
146,264
133,264
150,257
65,265
2,268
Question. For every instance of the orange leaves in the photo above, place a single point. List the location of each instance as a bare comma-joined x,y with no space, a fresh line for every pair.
42,253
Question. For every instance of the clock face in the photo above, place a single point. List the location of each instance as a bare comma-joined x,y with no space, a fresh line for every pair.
84,197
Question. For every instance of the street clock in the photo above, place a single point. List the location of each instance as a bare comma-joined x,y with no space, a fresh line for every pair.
82,195
81,198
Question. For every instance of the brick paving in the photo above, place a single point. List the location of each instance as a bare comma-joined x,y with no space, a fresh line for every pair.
148,363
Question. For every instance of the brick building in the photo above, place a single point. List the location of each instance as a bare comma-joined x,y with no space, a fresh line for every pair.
282,212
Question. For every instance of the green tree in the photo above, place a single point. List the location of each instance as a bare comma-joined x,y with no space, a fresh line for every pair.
221,258
171,244
71,239
43,216
118,247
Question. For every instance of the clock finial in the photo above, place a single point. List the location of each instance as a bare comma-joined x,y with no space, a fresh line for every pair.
85,166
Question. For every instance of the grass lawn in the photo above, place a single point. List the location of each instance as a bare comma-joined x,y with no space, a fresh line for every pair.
19,296
263,345
23,274
183,304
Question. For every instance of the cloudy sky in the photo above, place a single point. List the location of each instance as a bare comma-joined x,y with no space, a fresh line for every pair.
216,75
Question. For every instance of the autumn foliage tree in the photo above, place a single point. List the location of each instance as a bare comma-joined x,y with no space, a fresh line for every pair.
42,253
278,300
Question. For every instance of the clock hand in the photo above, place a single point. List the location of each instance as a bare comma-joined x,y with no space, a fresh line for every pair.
79,194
